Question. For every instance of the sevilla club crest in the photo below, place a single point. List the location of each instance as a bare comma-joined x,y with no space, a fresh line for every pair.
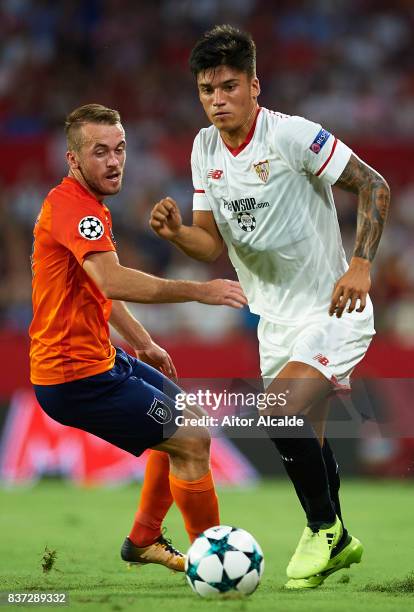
262,170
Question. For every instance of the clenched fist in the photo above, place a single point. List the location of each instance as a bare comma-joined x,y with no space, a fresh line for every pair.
166,218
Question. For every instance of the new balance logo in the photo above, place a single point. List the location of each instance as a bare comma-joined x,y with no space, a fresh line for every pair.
322,359
215,174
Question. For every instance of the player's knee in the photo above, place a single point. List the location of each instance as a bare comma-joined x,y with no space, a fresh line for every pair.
189,445
297,405
198,448
195,449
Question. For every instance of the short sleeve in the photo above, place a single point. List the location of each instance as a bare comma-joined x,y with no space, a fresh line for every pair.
200,201
307,147
81,229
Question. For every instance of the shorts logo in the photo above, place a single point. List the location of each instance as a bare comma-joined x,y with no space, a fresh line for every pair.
321,137
215,174
322,359
91,228
262,170
160,412
246,221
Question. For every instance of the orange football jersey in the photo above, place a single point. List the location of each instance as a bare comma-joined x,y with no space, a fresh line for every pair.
69,331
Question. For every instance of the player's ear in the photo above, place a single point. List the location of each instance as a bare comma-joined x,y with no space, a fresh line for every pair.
72,160
255,87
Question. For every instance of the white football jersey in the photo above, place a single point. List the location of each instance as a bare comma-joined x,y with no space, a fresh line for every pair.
272,201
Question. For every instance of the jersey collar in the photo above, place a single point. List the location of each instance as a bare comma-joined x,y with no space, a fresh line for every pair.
69,180
236,150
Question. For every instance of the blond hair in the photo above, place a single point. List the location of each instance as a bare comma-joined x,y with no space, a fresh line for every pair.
89,113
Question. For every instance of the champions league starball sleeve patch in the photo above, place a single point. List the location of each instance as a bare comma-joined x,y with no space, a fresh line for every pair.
321,138
91,228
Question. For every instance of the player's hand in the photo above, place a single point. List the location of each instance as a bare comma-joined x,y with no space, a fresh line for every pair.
351,287
166,218
158,358
223,292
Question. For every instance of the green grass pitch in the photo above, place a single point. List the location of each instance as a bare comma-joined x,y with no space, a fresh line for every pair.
87,526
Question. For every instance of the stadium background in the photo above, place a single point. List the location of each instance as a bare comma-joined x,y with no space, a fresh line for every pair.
347,64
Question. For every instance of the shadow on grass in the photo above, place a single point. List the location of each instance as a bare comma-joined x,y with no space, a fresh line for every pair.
403,586
135,598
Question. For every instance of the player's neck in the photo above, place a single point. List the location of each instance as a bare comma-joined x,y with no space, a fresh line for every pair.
79,178
235,138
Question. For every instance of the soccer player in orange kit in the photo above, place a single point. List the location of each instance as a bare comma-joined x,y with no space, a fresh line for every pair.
79,378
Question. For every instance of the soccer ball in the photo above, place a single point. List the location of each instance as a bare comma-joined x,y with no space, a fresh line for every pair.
224,559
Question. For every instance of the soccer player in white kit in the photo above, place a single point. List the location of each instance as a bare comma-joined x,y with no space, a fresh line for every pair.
262,184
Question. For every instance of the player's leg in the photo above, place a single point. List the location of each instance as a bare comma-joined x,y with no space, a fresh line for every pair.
349,549
192,488
305,386
155,499
303,460
127,412
318,415
330,348
298,445
175,469
191,481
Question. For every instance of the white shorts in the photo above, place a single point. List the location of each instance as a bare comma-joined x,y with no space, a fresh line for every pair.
331,345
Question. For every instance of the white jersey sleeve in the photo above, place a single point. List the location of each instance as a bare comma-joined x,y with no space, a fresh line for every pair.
200,201
307,147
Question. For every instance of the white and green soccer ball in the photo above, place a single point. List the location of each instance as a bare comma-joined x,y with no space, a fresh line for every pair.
224,559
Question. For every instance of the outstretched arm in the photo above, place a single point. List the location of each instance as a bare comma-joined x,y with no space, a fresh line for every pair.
373,202
119,283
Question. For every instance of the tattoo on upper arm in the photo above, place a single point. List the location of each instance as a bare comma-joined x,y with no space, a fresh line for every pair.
373,203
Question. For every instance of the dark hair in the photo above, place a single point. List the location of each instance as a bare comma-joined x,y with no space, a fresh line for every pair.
224,45
89,113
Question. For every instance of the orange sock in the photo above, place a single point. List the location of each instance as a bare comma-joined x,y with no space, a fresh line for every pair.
197,501
156,500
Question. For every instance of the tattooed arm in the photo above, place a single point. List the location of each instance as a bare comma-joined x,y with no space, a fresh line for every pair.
373,201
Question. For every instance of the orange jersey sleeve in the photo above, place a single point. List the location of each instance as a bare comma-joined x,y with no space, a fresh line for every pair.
69,331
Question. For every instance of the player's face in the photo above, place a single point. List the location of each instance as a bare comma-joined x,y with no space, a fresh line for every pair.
101,159
228,96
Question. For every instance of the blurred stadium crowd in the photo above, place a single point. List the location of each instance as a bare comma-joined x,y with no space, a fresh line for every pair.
348,64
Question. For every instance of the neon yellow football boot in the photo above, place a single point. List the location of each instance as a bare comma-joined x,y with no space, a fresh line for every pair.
350,552
313,552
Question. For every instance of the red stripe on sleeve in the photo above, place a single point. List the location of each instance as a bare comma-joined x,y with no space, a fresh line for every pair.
328,160
199,191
